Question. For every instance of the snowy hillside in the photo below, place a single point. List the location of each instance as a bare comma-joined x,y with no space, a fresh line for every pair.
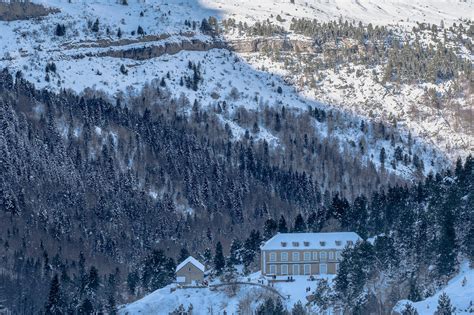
377,12
92,55
239,299
460,290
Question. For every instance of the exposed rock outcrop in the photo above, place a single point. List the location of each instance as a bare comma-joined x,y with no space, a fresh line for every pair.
271,44
159,48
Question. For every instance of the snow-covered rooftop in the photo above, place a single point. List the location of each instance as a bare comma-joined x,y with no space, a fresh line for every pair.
193,261
333,240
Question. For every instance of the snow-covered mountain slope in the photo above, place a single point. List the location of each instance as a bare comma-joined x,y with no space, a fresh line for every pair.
355,88
377,12
215,299
90,57
460,290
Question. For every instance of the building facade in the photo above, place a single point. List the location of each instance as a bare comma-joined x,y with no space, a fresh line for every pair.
190,272
292,254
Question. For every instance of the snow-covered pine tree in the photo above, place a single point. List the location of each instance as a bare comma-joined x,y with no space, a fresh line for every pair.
444,305
219,260
408,309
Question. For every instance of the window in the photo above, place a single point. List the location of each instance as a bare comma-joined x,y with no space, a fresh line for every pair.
322,243
284,269
296,270
323,256
306,244
273,256
323,269
307,256
315,256
283,244
339,255
338,243
296,256
284,256
350,243
296,244
307,269
273,269
331,255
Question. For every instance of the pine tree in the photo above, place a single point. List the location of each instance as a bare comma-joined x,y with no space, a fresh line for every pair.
158,270
235,256
382,156
266,308
183,254
111,306
132,281
414,294
279,308
298,309
447,245
300,225
270,228
408,309
95,26
86,307
230,273
93,280
219,260
282,228
444,305
54,304
60,30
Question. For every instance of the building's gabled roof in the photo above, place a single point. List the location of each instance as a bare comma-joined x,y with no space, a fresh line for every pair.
311,241
193,261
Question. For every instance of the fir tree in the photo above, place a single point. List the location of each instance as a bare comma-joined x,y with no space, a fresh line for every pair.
158,271
300,225
132,281
444,305
219,260
414,294
60,30
54,304
298,309
279,308
447,245
235,256
95,26
86,307
382,156
408,309
270,228
183,254
282,228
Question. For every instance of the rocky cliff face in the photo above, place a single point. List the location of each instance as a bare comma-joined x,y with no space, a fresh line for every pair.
157,49
271,44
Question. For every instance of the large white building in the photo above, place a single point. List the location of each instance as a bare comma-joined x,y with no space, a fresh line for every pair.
304,253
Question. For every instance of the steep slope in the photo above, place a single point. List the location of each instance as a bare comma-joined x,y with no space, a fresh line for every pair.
376,12
460,290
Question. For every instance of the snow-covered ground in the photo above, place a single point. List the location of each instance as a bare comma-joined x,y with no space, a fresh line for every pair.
354,88
460,290
30,45
377,12
220,299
